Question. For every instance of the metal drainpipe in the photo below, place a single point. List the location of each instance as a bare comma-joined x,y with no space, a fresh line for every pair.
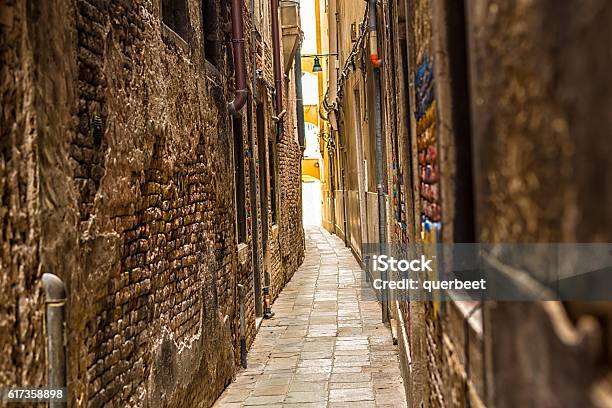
278,76
243,347
382,212
55,299
341,162
342,167
299,98
332,191
240,96
253,51
253,170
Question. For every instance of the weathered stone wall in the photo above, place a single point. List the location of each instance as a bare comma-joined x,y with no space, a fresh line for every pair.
290,248
431,165
285,244
550,122
158,204
21,304
539,109
117,175
541,115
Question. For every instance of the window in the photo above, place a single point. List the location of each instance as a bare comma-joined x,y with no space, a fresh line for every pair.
174,16
239,181
210,30
272,165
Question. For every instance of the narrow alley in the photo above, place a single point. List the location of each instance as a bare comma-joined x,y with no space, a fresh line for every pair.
193,192
326,344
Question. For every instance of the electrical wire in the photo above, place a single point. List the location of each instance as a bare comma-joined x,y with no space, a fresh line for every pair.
346,70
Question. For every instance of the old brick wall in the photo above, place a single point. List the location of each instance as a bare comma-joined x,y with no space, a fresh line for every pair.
443,341
425,383
117,174
151,159
285,244
397,100
288,245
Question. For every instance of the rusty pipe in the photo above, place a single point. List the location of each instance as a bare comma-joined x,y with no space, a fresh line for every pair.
278,78
299,98
376,62
240,96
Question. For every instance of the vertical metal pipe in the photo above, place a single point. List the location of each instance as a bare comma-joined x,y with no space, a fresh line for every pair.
278,77
243,347
345,203
253,52
382,211
341,163
342,166
332,191
253,171
299,98
241,91
55,299
334,49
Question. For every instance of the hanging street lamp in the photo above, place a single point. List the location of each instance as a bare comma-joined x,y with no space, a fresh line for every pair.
316,66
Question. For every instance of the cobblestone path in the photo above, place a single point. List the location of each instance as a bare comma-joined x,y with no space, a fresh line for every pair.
326,346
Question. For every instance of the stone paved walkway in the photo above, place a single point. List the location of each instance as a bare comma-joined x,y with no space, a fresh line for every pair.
326,345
